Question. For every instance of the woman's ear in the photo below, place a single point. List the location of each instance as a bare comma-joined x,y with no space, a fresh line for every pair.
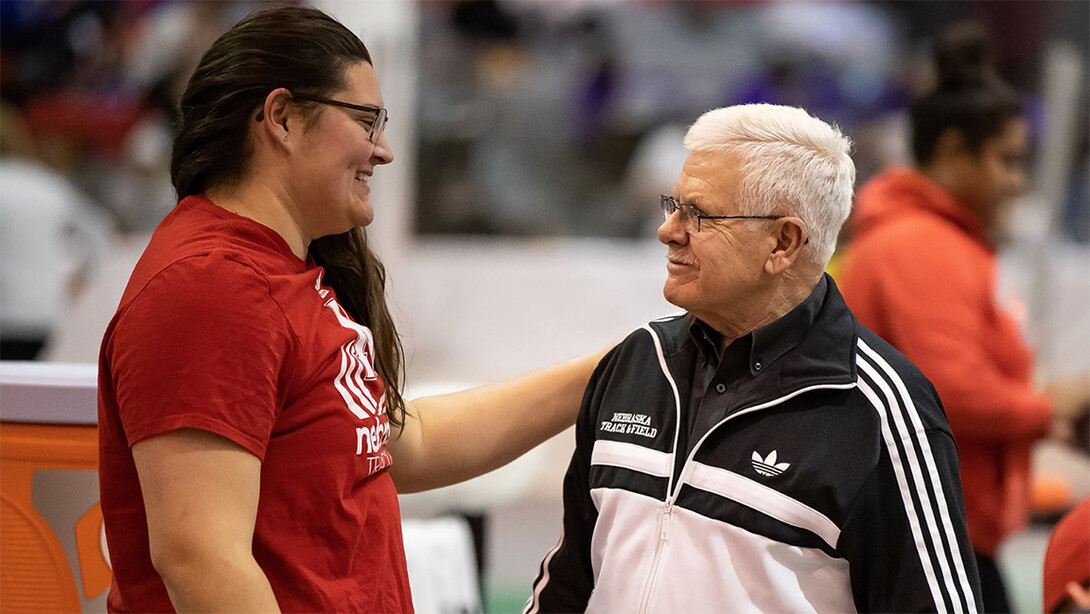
272,118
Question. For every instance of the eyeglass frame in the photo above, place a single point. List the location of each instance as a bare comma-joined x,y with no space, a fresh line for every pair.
378,124
669,202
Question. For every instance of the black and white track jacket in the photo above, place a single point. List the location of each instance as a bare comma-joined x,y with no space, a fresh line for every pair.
829,485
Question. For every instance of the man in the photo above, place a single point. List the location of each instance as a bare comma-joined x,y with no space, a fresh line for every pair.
763,451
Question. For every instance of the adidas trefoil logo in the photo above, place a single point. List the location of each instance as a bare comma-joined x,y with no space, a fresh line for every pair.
768,466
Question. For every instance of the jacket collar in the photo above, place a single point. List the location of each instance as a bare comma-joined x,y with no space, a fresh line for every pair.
796,353
762,347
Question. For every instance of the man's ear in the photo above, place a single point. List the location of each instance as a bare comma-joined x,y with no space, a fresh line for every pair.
788,238
273,116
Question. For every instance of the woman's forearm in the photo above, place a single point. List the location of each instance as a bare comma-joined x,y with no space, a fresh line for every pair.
454,437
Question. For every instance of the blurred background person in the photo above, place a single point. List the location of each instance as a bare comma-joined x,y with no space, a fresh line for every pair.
1066,585
88,89
921,272
51,235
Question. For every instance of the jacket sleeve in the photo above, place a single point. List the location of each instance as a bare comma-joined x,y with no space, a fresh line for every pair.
905,537
937,311
565,578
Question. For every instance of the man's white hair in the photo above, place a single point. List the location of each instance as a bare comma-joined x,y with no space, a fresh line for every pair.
792,164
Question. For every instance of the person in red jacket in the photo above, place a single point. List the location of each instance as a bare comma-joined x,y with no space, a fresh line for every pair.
921,272
1066,579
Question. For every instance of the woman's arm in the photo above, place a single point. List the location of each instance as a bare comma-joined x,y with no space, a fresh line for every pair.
453,437
201,492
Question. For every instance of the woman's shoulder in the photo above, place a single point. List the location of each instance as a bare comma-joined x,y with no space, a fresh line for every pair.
203,282
201,246
200,273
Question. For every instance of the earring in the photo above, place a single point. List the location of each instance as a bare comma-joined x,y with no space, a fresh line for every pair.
285,137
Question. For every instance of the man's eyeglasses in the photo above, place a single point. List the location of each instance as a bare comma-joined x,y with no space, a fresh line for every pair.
378,114
690,216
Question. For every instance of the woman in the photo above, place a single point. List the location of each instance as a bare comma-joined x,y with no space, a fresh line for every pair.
251,424
921,272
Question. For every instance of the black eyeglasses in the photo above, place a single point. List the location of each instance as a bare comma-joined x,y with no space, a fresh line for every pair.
687,213
379,117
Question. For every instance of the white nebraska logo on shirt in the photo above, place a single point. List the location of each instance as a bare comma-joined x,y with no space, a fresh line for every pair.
374,436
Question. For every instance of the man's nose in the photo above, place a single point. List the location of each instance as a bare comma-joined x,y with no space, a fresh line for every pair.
671,230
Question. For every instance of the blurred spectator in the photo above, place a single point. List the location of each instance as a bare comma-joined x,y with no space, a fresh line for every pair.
50,237
88,91
1076,211
841,72
96,83
921,272
551,147
1067,563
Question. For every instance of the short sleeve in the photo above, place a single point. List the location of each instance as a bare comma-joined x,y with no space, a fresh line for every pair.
201,346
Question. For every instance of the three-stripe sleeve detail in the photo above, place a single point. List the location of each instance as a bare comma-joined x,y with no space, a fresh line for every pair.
920,485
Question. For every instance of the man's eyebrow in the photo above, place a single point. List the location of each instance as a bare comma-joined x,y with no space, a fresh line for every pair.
695,203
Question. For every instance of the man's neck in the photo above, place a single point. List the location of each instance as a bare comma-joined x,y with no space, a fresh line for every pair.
761,309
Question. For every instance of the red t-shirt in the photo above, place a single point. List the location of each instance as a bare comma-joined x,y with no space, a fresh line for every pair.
222,328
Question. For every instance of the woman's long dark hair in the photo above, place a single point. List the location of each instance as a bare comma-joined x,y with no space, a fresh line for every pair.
969,97
307,52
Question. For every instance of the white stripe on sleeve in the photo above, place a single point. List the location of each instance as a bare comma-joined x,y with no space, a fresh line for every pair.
936,482
906,496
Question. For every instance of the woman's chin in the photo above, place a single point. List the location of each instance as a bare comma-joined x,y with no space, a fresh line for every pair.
363,214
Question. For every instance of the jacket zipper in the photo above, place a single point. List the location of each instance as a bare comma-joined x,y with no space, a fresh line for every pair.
660,545
674,489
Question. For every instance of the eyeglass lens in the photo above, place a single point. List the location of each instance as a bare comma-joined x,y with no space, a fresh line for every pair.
378,126
685,213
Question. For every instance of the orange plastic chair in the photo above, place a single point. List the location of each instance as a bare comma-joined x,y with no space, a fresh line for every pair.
44,466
